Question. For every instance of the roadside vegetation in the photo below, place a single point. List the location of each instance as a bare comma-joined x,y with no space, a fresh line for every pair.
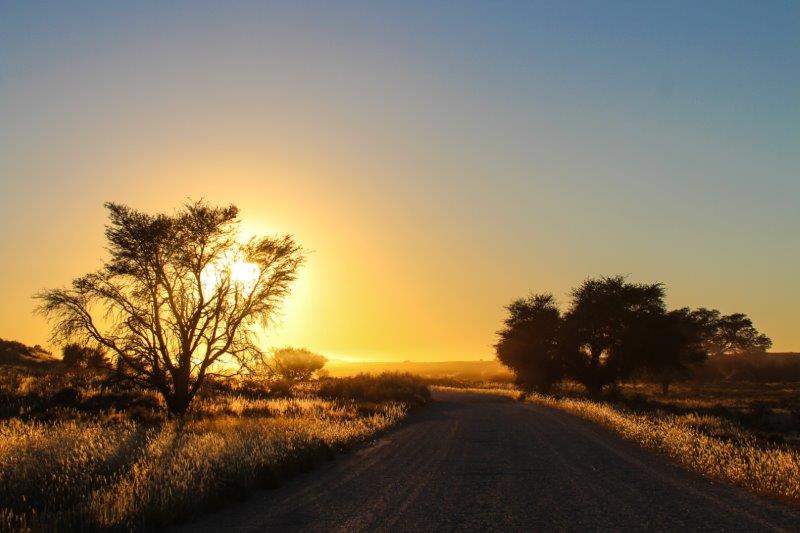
404,388
81,450
711,445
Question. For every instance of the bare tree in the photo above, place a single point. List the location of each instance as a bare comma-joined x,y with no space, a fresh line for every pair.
179,299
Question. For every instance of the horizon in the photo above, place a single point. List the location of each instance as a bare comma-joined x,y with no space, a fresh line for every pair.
437,161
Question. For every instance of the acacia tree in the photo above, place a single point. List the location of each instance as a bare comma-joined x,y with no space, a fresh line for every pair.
179,299
732,334
596,326
529,342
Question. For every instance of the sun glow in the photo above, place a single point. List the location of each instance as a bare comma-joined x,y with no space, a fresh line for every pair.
231,269
244,272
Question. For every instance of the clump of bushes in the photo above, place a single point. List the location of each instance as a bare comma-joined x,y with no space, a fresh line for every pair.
388,386
78,356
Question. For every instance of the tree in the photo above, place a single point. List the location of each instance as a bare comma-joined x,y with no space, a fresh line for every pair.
179,299
529,343
596,326
294,365
77,356
735,335
666,345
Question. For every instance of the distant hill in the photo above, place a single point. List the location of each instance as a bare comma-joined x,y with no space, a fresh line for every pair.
467,370
18,354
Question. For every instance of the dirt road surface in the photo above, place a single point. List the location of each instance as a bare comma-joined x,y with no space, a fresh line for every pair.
475,462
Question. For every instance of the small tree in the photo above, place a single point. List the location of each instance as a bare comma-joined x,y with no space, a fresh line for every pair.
294,365
179,298
529,342
76,356
732,334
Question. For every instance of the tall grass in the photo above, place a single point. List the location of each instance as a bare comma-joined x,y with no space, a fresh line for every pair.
393,386
688,439
491,389
121,474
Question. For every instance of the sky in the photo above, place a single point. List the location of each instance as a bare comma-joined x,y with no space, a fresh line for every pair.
438,159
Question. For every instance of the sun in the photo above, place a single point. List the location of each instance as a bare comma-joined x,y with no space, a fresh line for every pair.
244,272
231,269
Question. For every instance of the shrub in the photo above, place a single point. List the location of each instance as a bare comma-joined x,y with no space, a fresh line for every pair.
388,386
77,356
295,365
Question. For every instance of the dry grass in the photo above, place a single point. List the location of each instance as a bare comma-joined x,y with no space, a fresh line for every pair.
769,412
493,389
101,471
689,439
393,386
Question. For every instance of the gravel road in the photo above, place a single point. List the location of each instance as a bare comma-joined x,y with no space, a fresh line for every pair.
474,463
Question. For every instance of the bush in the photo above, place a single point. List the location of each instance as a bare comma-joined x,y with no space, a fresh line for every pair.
388,386
294,365
77,356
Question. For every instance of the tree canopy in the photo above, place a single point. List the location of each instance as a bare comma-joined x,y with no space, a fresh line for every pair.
733,334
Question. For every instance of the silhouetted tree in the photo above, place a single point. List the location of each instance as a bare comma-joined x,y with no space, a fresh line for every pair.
602,312
294,365
732,334
529,342
77,356
179,298
666,345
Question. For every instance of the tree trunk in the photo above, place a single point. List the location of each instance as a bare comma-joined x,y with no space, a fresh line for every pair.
177,405
595,390
178,400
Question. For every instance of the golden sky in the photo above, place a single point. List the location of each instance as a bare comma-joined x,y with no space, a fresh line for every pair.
437,162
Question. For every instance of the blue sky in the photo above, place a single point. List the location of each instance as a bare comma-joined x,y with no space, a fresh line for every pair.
472,150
